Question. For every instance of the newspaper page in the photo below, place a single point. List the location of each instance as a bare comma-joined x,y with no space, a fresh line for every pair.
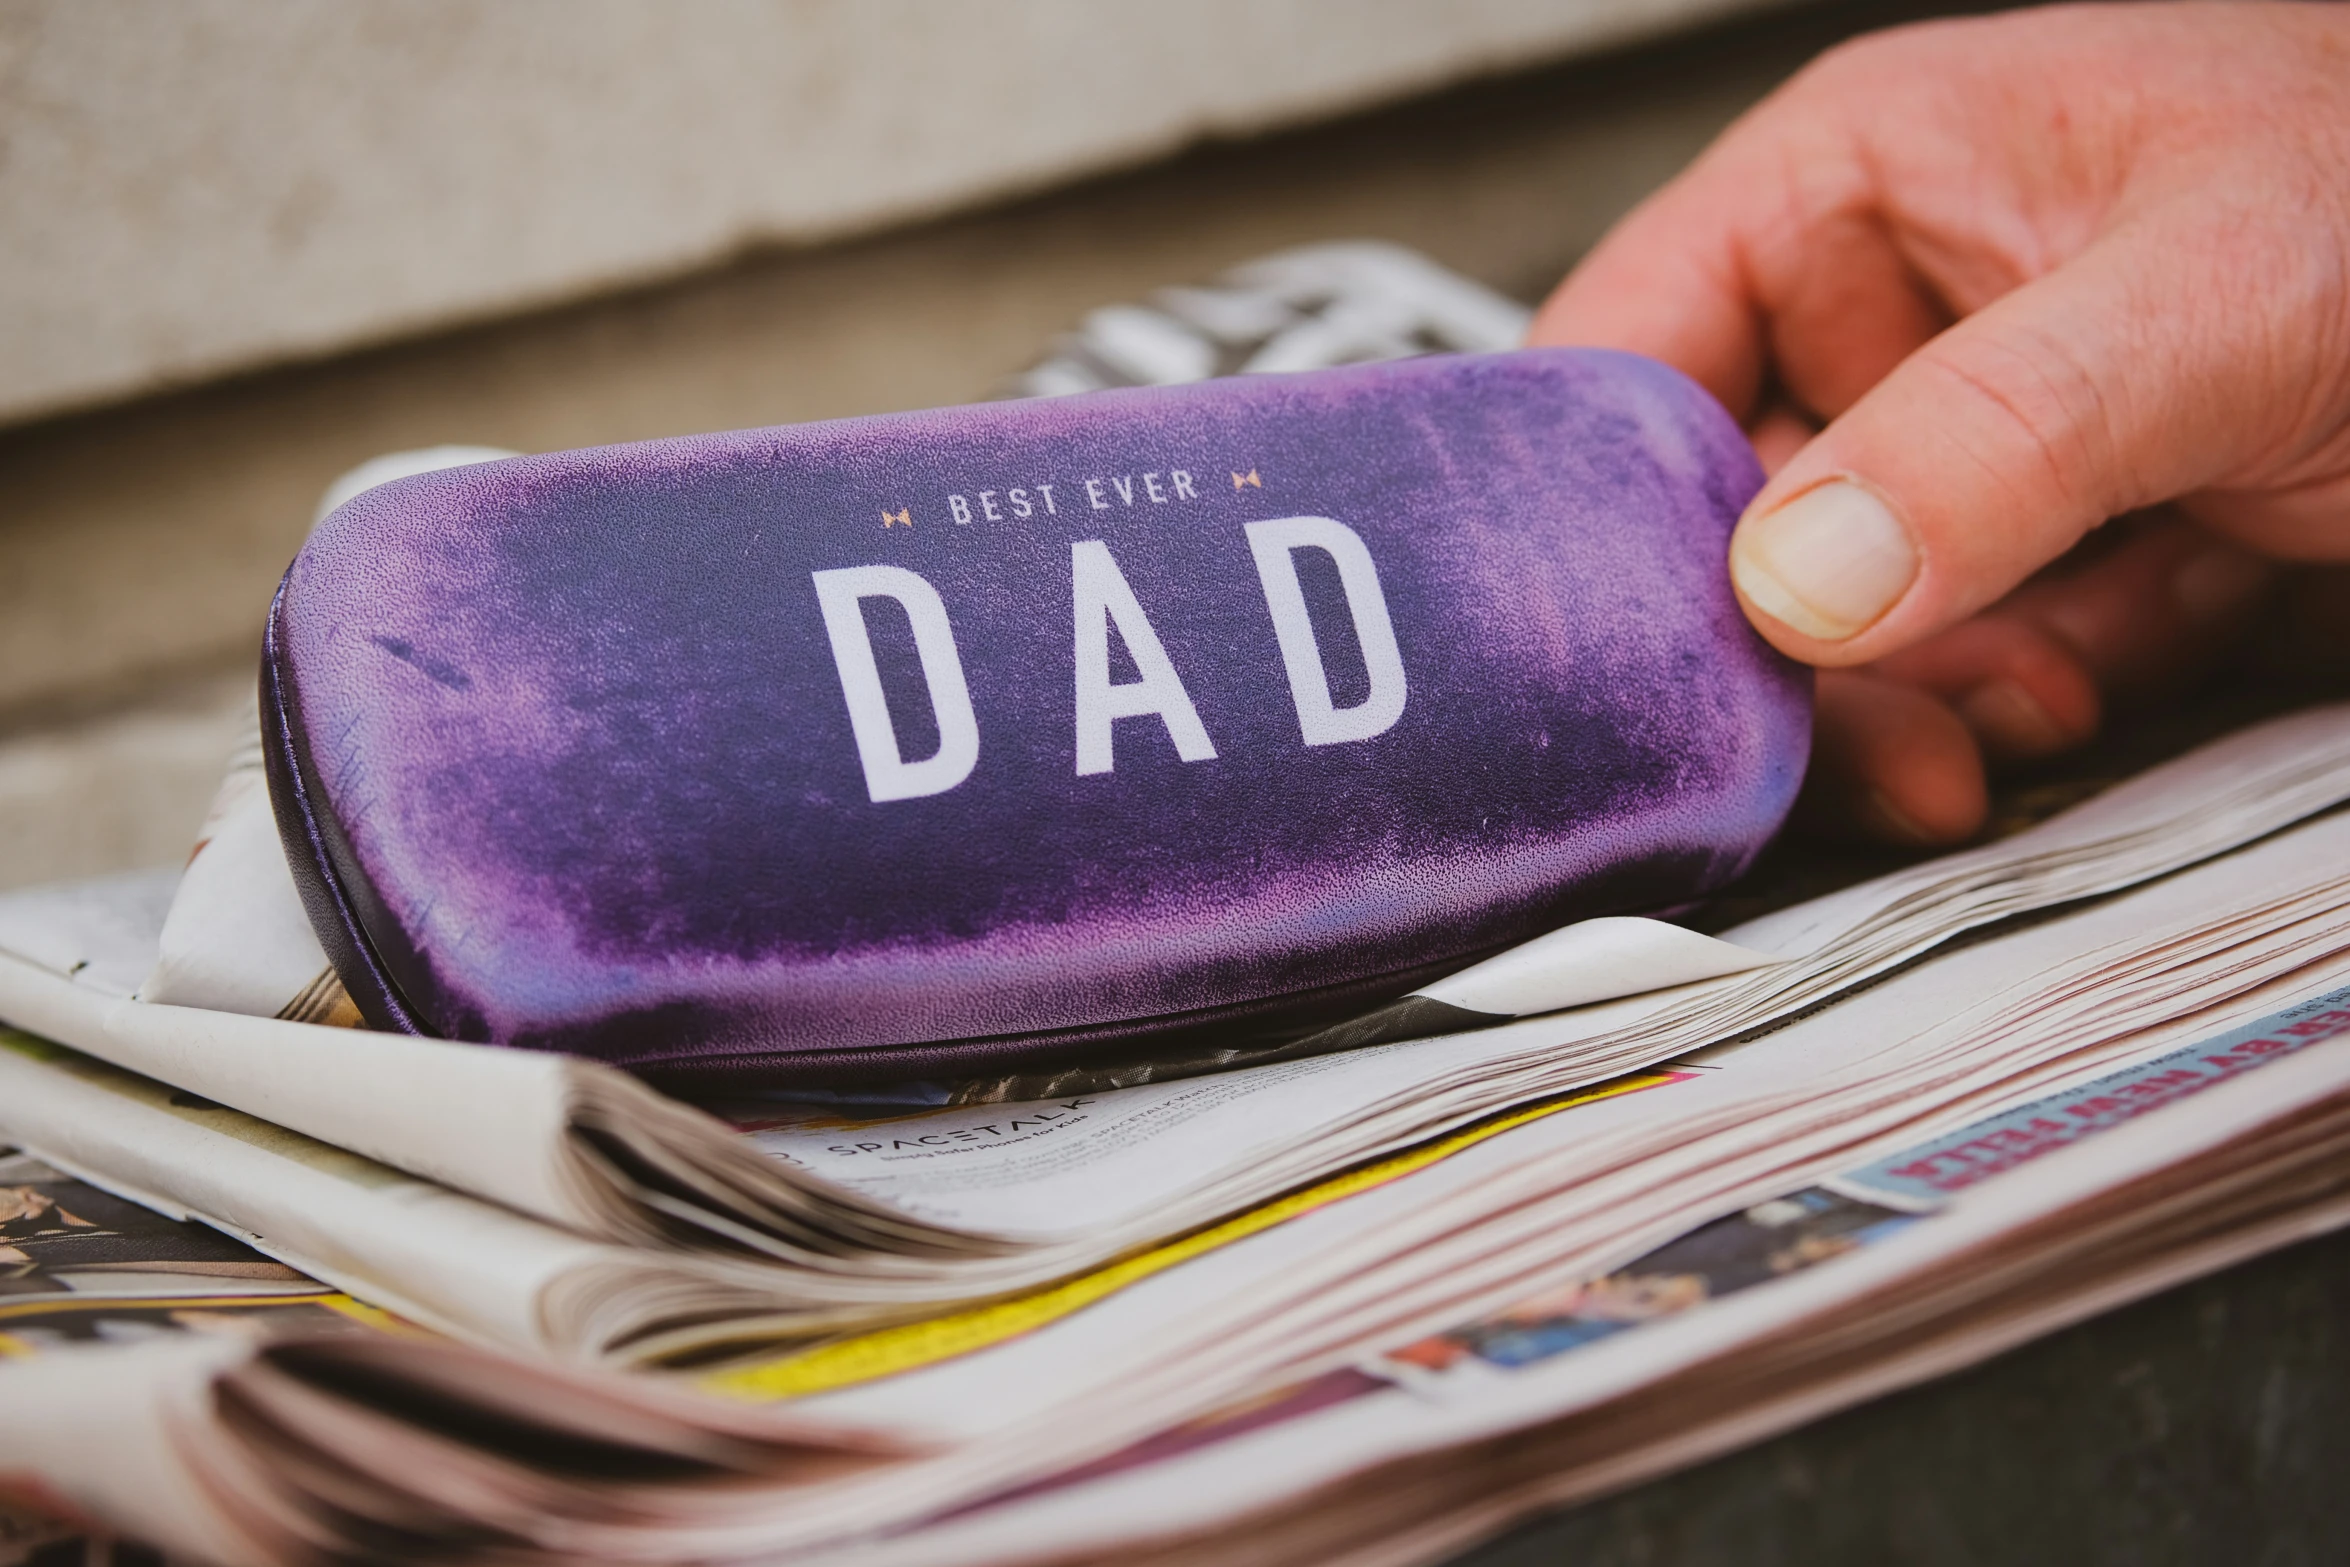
1117,1161
1922,1047
354,1445
79,1265
2002,1257
566,1140
1271,1455
1012,1453
1061,1184
1576,1182
81,1268
426,1253
615,1291
94,1442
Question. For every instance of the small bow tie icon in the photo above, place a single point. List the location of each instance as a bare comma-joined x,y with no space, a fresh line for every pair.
1249,477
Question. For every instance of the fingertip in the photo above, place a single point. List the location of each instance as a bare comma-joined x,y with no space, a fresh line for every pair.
1882,816
1663,283
2024,692
1891,762
1816,569
2218,585
2031,695
2013,724
2132,620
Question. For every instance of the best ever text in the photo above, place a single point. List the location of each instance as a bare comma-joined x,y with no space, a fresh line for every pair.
1018,502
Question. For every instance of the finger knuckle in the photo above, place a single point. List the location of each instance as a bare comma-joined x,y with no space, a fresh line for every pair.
2038,419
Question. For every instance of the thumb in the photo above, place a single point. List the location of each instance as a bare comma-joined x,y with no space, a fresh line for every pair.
1989,451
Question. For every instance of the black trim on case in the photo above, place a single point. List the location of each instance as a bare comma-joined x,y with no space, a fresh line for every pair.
310,837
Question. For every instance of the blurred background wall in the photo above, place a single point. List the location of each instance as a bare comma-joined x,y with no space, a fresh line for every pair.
209,185
245,244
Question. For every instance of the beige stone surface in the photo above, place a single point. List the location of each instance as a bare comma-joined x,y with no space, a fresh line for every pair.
116,791
208,185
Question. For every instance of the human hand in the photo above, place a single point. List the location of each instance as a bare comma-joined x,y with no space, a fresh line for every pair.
2030,272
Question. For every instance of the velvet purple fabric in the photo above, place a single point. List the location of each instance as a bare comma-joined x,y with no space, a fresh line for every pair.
570,751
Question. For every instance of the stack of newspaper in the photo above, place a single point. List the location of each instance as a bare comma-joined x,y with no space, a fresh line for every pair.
278,1289
1359,1306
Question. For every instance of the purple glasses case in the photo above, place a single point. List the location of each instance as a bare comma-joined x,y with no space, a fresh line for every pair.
1027,732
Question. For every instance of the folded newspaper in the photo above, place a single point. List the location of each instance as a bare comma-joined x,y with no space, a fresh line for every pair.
274,1289
1791,1217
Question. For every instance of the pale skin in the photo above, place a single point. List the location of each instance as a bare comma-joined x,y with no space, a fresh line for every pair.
1975,288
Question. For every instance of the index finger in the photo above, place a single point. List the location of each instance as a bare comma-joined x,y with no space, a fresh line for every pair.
1666,284
1777,263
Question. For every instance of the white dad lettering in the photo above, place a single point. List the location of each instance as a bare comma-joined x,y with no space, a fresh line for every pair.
888,775
1101,600
1275,545
1100,595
